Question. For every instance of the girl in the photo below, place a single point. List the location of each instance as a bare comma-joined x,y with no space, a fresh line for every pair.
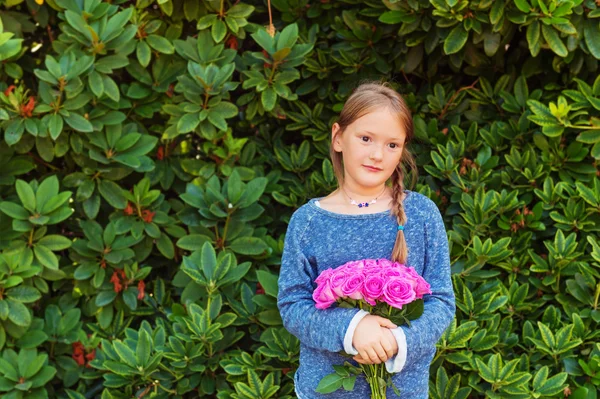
366,218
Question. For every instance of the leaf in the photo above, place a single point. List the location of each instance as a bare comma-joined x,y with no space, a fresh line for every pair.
55,242
143,53
47,190
455,40
160,44
269,282
554,41
523,6
268,99
79,123
18,313
24,294
287,37
125,353
533,38
330,383
14,211
248,246
591,32
112,193
143,348
218,30
55,125
46,257
188,123
26,195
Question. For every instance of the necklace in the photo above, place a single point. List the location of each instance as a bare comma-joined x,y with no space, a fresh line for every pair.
363,204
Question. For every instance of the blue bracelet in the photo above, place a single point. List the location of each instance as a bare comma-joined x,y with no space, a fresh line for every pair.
400,227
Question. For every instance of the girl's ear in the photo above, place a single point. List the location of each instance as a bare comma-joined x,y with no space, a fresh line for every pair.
336,137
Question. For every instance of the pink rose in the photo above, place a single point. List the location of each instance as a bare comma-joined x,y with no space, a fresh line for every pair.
337,278
423,288
372,265
352,287
385,263
325,274
357,265
324,296
398,292
373,288
390,272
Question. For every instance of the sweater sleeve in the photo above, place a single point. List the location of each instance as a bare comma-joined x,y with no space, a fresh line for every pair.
322,329
440,306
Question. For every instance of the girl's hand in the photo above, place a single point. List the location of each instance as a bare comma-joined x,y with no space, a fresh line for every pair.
392,342
372,339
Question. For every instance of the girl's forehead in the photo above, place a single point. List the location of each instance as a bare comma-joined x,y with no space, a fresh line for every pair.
380,123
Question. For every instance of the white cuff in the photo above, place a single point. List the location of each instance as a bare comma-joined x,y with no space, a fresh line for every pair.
396,363
348,347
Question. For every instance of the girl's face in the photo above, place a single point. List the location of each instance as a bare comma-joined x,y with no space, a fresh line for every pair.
371,148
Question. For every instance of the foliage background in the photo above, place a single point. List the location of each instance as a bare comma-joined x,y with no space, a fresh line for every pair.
153,152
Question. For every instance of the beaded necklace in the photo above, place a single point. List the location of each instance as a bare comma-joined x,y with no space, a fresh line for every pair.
363,204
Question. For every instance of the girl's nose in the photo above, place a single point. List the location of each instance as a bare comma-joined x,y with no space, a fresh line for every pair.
375,155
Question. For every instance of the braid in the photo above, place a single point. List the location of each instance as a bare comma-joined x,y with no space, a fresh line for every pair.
400,251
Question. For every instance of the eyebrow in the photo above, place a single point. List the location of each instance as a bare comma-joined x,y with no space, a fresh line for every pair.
391,138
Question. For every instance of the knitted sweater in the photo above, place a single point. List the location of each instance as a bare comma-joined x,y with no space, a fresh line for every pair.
318,239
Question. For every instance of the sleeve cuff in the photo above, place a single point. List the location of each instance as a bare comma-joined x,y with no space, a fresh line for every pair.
396,363
348,347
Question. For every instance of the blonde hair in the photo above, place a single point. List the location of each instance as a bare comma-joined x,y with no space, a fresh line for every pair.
363,100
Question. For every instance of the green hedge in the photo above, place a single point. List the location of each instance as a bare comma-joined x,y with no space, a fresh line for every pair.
153,152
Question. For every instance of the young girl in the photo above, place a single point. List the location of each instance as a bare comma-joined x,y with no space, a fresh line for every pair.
366,218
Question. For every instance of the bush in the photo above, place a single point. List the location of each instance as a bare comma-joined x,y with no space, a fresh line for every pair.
153,153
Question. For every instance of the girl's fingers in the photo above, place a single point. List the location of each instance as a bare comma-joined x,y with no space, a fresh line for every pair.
388,347
372,355
363,355
381,354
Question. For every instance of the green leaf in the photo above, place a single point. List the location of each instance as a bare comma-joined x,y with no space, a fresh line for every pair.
268,282
47,190
268,98
46,257
18,313
125,353
24,294
218,30
591,32
456,40
55,125
160,44
55,242
112,193
330,383
105,298
288,37
26,195
143,53
248,246
14,211
143,348
77,22
523,6
188,123
533,38
554,41
79,123
547,335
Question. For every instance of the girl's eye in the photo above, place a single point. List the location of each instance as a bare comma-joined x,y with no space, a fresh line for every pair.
364,137
394,145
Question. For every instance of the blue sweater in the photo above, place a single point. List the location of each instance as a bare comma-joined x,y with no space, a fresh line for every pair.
318,239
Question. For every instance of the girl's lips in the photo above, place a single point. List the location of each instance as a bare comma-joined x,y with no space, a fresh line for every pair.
372,169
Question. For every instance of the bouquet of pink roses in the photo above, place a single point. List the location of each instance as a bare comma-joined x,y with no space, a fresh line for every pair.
381,287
